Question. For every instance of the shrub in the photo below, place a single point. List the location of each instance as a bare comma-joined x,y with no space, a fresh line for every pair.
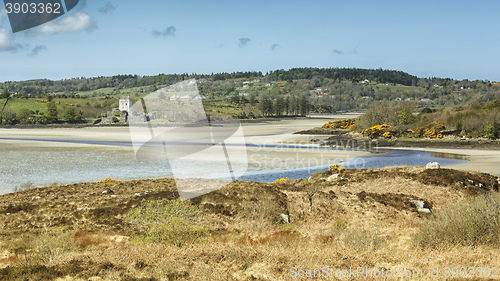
491,132
53,247
341,124
406,117
375,131
115,120
458,126
171,221
45,248
383,113
336,169
282,180
469,223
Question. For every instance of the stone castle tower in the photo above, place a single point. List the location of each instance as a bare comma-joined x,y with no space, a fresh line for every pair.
125,104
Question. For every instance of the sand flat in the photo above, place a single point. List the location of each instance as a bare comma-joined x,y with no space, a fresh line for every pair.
487,161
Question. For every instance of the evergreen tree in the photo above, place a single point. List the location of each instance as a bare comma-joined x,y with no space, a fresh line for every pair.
51,112
304,106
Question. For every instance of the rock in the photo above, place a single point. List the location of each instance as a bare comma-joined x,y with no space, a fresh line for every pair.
332,177
419,204
286,218
36,197
432,165
138,194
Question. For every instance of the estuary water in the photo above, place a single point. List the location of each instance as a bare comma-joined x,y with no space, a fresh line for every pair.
67,161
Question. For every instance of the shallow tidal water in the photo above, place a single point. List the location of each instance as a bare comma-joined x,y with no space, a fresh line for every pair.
39,166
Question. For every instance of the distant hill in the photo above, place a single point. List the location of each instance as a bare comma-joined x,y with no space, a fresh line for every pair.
328,89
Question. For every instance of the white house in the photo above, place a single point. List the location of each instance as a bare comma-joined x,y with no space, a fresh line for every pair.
125,104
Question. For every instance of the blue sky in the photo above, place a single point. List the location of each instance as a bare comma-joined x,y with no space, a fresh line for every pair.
456,39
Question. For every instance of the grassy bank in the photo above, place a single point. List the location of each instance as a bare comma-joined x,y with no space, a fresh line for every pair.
363,218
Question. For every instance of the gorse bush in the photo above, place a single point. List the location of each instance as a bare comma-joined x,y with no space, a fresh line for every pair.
282,180
170,221
341,124
469,223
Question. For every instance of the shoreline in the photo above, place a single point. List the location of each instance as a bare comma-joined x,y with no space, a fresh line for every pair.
265,152
485,161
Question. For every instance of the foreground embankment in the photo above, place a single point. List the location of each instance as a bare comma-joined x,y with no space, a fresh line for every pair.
372,220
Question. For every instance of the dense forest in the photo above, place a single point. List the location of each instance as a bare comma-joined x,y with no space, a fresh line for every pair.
320,77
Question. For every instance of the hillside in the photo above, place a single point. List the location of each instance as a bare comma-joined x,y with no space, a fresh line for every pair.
365,218
326,89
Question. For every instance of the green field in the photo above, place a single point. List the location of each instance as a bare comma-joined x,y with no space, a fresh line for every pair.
17,104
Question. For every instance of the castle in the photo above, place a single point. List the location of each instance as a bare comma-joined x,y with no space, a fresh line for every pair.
121,113
125,104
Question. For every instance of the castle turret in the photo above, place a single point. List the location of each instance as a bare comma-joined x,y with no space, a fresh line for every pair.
125,104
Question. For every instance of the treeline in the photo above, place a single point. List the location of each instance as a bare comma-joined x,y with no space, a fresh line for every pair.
236,75
74,85
285,106
351,74
43,86
289,106
327,89
53,111
50,116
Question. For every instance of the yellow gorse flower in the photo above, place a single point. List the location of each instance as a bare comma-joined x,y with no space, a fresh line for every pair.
106,180
341,124
282,180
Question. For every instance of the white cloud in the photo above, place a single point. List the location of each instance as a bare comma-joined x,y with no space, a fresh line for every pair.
70,23
6,41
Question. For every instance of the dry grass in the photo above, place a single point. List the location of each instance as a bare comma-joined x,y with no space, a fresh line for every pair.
332,226
470,223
